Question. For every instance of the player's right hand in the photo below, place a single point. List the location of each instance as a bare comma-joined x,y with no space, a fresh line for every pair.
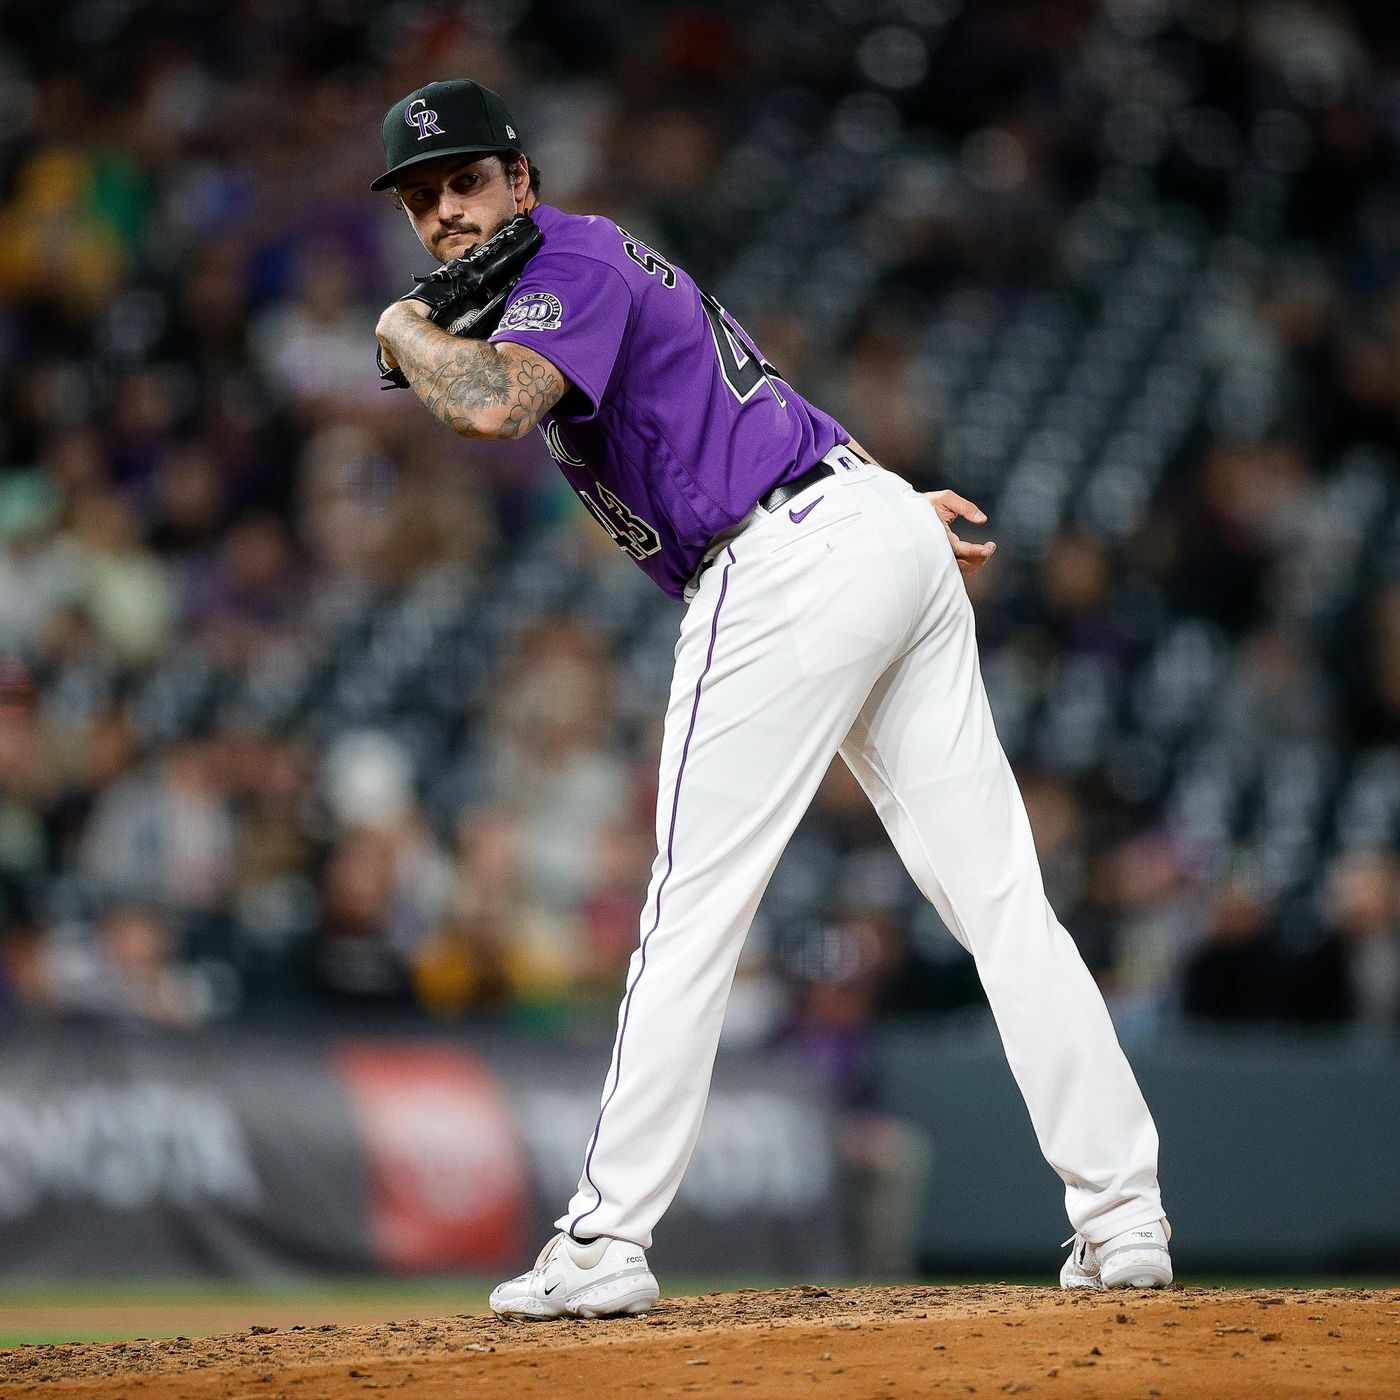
950,506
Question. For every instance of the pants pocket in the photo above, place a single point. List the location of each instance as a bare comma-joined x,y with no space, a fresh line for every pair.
840,594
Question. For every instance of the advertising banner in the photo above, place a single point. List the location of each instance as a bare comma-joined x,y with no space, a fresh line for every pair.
148,1157
266,1156
448,1174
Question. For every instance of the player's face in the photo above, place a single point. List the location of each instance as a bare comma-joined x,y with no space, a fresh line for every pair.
456,202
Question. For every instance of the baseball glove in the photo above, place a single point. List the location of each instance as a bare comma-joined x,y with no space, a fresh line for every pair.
466,297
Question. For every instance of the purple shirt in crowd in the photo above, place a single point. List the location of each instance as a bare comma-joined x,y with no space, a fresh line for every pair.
676,428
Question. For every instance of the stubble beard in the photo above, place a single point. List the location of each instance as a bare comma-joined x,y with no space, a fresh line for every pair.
488,231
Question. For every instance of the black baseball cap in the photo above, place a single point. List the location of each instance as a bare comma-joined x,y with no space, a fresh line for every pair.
455,118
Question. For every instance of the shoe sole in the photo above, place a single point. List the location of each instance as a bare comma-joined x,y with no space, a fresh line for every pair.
637,1303
1151,1277
630,1296
1136,1268
1154,1271
1140,1279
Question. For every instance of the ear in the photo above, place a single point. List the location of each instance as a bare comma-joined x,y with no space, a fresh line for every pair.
520,185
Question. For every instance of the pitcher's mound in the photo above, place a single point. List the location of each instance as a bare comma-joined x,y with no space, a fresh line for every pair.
848,1342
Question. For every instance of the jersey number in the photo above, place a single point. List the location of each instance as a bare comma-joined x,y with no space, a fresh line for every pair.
649,262
743,370
627,529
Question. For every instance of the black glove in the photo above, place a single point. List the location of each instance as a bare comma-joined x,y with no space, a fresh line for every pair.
458,292
393,378
467,296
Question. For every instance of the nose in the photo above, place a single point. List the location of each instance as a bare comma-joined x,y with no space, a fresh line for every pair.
451,206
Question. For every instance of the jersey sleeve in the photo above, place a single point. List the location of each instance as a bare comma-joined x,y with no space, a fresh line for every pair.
574,311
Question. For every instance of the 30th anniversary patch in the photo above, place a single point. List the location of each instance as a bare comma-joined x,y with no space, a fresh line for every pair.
535,311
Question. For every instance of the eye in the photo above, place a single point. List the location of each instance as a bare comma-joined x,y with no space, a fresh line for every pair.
467,181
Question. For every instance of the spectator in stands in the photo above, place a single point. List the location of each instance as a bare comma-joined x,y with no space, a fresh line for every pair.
187,505
387,882
24,950
164,832
552,766
1372,679
36,563
119,584
494,944
1151,350
251,595
1277,694
1353,975
1239,975
1231,528
346,485
1075,601
608,911
1158,920
127,970
360,948
28,782
312,345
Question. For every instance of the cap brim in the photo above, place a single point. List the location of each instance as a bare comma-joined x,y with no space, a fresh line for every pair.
389,177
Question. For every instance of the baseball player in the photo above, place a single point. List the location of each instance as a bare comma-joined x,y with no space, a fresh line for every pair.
826,615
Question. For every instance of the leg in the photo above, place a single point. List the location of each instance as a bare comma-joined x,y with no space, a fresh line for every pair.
777,652
925,750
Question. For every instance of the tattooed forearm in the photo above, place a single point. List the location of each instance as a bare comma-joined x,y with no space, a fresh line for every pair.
537,388
459,381
475,388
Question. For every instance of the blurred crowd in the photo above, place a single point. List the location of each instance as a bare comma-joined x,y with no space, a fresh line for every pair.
305,703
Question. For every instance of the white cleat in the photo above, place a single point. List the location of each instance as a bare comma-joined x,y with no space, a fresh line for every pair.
1137,1258
605,1278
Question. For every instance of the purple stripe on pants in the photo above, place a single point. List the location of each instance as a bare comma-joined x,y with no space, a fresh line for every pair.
670,866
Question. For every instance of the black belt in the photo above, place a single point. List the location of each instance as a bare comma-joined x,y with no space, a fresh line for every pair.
789,489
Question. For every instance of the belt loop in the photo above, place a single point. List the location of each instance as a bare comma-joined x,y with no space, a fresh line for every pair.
845,458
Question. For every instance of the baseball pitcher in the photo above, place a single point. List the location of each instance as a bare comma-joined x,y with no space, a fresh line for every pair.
827,614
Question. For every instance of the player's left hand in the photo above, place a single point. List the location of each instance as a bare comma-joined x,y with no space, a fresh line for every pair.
950,506
466,295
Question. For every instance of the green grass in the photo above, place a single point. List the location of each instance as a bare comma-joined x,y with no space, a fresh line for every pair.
91,1292
246,1302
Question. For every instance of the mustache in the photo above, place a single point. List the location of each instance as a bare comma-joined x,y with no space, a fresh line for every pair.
451,232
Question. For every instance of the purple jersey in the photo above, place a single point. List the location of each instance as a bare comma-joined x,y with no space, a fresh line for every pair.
677,426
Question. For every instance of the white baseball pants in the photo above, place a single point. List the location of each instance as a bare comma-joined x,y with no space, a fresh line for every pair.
840,623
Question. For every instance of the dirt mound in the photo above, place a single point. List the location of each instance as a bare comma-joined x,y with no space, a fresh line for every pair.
850,1342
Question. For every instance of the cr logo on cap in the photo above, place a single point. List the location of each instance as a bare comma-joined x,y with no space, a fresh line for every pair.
424,118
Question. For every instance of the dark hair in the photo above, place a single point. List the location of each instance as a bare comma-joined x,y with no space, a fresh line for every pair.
511,159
